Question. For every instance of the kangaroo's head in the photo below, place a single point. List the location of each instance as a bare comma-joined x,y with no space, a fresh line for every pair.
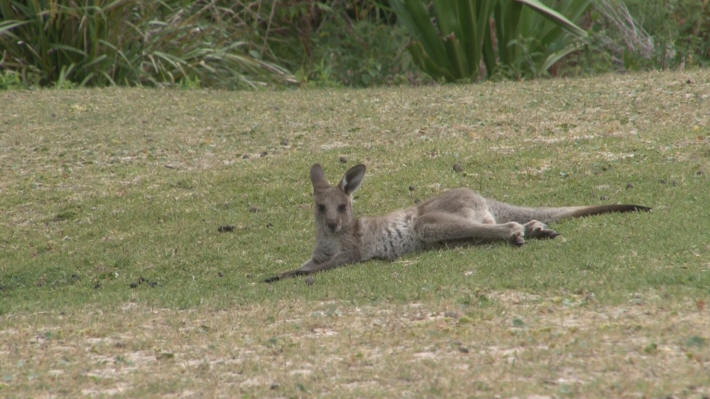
334,204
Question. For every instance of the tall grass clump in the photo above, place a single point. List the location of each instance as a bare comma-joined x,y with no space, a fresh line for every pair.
129,42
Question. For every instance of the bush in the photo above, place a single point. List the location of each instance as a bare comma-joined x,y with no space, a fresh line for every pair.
334,43
360,54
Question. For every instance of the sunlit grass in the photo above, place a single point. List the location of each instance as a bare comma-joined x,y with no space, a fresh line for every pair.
104,189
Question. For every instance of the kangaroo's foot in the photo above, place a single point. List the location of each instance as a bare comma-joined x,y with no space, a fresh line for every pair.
517,233
536,229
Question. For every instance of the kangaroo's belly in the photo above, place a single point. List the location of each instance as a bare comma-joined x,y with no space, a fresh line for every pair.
392,235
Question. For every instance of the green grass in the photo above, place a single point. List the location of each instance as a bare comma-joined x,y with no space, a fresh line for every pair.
115,281
101,188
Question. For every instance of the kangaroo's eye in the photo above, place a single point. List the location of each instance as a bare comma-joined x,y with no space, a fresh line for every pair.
342,208
321,208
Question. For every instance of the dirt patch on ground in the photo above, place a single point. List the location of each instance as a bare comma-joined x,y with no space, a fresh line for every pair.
504,344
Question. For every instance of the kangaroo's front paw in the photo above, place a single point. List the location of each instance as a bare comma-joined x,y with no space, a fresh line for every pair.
517,233
536,229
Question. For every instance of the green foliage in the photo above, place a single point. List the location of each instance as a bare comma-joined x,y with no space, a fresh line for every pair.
452,37
10,80
336,43
360,54
451,47
540,37
220,43
641,35
680,30
131,42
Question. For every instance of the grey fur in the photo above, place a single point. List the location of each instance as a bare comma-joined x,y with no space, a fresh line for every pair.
455,215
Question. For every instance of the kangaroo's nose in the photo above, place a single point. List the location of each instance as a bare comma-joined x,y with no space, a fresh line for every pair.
332,226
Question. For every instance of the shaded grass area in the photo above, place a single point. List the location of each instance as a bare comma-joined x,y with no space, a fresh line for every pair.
115,278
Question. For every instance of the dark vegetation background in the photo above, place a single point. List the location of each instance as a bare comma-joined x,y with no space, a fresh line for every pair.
286,43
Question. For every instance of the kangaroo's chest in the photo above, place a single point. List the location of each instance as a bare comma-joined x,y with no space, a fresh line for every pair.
392,236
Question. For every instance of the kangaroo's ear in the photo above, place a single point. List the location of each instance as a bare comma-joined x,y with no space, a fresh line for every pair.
318,178
352,179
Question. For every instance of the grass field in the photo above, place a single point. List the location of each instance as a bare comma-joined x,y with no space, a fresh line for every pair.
116,281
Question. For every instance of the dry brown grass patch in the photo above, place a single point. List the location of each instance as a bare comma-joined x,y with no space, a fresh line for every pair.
513,345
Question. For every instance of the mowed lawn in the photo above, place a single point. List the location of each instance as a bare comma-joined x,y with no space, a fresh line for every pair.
137,225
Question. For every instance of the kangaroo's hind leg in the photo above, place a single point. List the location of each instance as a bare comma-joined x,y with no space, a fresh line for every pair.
444,226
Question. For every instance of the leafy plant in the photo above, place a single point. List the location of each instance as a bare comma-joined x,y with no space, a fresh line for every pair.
540,37
453,37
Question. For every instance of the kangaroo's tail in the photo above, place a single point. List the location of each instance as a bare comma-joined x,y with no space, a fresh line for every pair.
510,213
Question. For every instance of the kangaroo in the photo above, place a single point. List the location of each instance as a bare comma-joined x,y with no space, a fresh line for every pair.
455,215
